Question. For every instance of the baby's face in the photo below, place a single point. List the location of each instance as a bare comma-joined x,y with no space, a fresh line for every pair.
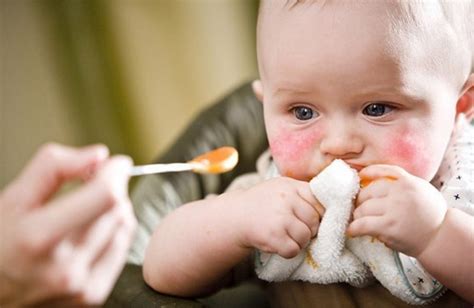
337,83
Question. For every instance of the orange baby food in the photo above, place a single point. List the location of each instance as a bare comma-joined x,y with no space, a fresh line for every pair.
364,182
217,161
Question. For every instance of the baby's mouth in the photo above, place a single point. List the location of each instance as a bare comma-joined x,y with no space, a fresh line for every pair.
355,166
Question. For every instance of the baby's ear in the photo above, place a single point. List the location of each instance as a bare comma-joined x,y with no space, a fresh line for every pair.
258,89
465,102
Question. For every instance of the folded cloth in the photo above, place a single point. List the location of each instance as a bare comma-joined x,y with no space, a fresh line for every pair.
333,258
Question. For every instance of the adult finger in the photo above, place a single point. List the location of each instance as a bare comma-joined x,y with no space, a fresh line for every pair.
116,172
106,269
121,215
52,165
98,235
101,233
77,209
126,224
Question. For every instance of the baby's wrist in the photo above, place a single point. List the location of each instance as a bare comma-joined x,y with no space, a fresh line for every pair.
433,243
234,218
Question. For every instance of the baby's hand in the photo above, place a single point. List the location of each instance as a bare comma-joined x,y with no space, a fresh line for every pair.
279,216
400,209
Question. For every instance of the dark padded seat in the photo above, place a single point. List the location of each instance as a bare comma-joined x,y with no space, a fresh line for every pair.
235,120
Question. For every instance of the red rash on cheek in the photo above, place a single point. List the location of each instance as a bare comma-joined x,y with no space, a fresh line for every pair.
408,150
291,150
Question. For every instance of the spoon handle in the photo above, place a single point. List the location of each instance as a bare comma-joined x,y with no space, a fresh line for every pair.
160,168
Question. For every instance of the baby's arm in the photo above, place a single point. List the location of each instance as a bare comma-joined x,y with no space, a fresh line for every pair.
411,216
193,248
196,246
449,255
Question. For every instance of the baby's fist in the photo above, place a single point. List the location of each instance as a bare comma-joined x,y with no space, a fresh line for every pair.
279,216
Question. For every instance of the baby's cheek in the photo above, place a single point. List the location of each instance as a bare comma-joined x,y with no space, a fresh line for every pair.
408,149
293,151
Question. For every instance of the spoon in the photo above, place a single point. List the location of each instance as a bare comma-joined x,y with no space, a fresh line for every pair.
217,161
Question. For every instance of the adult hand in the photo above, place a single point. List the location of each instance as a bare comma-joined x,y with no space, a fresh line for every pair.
68,249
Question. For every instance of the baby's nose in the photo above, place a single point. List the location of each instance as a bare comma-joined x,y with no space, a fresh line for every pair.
341,141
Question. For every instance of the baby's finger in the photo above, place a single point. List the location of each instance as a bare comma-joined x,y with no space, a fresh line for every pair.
299,232
367,225
306,214
372,207
306,194
377,189
288,248
374,172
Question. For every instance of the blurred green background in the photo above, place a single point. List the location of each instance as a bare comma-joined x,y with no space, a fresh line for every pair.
127,73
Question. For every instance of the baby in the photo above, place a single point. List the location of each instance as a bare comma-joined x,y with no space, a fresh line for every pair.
377,84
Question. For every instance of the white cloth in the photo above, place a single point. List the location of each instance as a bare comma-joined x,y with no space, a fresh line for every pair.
331,257
325,260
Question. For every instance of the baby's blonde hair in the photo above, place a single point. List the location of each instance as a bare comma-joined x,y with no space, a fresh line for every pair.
460,15
455,54
445,27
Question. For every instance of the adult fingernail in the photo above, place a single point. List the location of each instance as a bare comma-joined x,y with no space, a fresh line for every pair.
124,161
100,151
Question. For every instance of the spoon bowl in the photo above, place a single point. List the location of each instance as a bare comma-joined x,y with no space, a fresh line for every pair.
217,161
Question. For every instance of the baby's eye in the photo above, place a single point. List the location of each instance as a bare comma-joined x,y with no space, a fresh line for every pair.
377,109
303,113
